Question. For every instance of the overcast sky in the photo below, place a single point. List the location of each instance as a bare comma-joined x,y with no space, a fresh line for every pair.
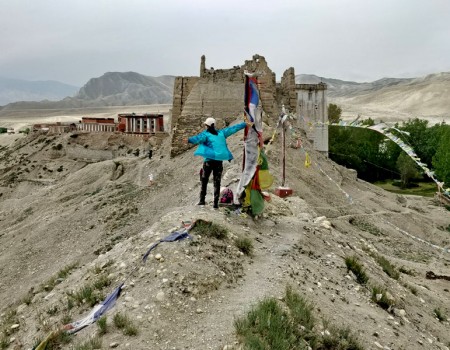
360,40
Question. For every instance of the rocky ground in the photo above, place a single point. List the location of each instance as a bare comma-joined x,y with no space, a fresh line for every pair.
71,223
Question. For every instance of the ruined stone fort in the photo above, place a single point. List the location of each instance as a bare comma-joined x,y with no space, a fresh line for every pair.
220,93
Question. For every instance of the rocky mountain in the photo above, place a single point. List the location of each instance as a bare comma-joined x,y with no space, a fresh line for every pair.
78,212
111,89
128,88
12,90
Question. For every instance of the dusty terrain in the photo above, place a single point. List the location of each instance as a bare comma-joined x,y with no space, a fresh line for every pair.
100,217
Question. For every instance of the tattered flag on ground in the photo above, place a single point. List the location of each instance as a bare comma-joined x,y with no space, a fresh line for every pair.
100,309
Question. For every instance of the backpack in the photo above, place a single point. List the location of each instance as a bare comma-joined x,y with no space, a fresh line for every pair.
226,196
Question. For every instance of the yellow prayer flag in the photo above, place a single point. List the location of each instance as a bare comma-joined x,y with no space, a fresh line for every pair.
307,160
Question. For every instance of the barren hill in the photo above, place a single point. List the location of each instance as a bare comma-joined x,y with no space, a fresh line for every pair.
111,89
12,90
391,99
128,88
78,212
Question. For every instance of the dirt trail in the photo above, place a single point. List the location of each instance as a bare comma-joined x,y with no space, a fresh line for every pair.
216,329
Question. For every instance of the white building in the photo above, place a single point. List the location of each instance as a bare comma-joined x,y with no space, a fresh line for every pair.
312,110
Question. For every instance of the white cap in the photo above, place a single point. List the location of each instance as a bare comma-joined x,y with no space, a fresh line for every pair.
210,121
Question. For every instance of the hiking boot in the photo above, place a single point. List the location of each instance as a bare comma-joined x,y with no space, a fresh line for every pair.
201,203
215,206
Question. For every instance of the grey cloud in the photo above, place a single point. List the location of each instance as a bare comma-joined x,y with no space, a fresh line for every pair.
348,39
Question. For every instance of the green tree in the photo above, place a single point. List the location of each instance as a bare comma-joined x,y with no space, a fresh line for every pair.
368,122
334,113
360,149
407,169
441,159
418,138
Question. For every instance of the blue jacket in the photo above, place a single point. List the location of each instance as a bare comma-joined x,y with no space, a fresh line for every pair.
215,146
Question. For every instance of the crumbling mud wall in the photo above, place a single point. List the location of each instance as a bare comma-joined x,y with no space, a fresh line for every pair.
220,93
286,92
181,90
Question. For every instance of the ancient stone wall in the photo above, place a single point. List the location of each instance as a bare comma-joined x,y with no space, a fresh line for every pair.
287,94
181,90
220,93
267,85
186,126
235,74
223,101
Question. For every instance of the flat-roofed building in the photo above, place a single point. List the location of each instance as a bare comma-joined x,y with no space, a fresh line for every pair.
97,124
132,123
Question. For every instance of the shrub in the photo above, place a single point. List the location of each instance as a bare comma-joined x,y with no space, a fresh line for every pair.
340,338
61,338
440,315
300,309
102,325
412,289
70,304
91,344
66,319
384,302
355,266
49,284
245,245
266,327
124,323
4,343
53,310
270,325
87,295
406,271
120,321
387,267
210,229
102,282
130,330
64,272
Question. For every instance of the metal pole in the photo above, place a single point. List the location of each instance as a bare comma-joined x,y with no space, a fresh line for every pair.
283,151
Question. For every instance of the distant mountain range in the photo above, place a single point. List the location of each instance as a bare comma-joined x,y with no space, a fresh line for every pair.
390,98
12,90
111,89
386,98
342,88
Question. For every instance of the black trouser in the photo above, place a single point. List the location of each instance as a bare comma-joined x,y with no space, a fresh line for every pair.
215,167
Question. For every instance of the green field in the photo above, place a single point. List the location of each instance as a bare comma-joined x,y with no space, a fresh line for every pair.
426,189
